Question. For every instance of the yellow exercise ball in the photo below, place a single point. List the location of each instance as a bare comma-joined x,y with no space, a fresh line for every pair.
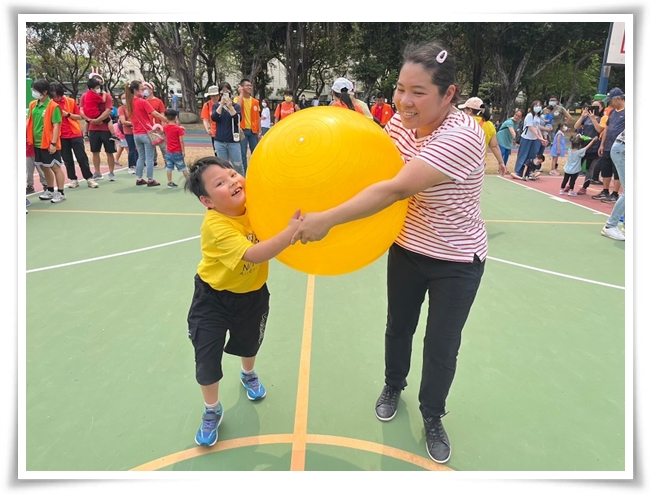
314,160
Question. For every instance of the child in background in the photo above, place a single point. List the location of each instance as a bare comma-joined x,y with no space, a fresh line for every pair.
95,104
230,292
122,145
573,165
175,153
532,167
558,148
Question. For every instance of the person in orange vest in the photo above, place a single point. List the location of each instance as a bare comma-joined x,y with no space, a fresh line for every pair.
250,120
72,139
341,90
206,113
381,111
43,132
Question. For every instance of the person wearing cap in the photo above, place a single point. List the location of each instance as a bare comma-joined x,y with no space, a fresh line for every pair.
481,113
287,107
210,125
614,125
158,106
250,120
341,91
442,246
381,111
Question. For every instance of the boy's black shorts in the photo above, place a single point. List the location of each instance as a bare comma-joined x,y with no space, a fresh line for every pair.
212,314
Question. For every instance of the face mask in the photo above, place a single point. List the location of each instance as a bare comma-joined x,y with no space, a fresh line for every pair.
124,102
565,128
146,93
98,90
36,94
288,99
552,103
537,109
263,105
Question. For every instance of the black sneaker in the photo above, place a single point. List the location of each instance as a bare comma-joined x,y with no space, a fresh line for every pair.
613,197
438,445
386,406
596,182
602,195
30,189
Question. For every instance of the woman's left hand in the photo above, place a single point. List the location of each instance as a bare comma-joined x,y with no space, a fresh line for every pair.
502,169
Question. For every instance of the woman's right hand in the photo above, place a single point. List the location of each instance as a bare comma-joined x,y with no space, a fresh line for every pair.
313,227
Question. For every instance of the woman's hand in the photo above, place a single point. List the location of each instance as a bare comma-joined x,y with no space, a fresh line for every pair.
312,227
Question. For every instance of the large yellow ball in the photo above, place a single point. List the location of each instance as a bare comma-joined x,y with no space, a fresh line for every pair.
314,160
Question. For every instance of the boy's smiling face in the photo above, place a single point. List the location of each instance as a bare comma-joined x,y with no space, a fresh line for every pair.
225,190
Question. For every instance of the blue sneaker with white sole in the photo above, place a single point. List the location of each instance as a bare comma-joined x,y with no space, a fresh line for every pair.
254,388
207,434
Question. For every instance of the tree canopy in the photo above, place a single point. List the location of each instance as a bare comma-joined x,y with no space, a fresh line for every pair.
495,61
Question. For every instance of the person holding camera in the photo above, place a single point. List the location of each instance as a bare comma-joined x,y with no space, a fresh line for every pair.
589,125
227,115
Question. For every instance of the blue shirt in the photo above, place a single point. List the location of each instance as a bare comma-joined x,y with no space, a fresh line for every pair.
615,125
574,161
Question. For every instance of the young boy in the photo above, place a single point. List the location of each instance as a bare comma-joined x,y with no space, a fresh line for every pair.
532,167
230,292
175,153
95,104
573,165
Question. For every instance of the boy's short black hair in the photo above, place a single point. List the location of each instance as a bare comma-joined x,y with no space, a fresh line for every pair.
194,182
93,83
540,157
170,114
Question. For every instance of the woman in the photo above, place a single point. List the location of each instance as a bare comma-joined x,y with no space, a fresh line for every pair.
474,107
443,243
529,145
589,125
128,134
141,112
227,115
265,121
341,90
507,134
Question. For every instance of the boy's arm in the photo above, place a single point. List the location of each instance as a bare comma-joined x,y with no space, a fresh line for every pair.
268,249
180,138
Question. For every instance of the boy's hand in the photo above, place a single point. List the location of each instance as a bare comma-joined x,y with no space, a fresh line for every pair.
295,221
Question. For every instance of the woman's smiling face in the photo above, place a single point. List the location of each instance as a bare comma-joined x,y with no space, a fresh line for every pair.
418,100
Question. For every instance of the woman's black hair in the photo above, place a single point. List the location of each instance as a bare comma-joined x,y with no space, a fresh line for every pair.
194,183
532,108
345,98
57,89
225,85
438,62
41,85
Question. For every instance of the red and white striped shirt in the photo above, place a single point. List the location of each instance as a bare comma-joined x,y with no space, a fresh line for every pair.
443,221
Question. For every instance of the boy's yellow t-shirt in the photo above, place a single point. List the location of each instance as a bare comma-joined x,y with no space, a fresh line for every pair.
224,241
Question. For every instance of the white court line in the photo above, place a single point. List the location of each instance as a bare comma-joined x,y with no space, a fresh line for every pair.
608,285
46,268
516,182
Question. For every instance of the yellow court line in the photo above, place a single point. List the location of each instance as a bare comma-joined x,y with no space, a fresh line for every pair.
114,212
380,449
299,448
188,454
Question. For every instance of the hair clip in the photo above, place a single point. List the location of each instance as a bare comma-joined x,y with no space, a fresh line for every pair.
442,56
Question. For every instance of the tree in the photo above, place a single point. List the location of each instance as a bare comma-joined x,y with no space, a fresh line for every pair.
181,43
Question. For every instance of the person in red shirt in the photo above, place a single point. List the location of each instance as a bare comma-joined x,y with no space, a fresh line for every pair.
175,155
99,134
287,107
72,138
159,106
381,111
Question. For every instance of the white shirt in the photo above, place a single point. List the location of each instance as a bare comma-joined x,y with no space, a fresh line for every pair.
266,118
